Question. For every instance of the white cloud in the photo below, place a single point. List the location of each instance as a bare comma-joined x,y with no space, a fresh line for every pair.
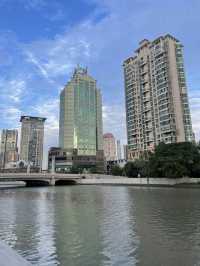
57,57
10,114
12,90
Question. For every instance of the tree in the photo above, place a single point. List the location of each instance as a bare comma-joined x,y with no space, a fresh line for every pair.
93,170
138,167
175,160
75,170
116,170
130,169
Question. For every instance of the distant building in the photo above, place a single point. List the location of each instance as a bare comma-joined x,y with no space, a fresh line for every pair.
157,106
109,147
125,152
32,136
9,150
80,126
64,160
119,151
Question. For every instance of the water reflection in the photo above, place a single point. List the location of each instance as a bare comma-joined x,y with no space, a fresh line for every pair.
167,221
94,225
117,229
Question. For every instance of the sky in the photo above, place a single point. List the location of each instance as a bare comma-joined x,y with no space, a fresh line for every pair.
41,41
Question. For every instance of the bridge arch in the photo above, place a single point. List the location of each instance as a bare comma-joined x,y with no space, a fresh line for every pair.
65,182
36,183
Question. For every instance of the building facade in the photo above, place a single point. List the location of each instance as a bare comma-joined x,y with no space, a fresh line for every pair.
9,150
119,150
80,125
32,137
125,147
157,107
109,147
64,160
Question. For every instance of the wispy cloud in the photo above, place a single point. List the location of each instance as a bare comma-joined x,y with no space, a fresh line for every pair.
12,90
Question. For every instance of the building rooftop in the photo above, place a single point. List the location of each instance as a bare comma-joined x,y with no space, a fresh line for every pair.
108,135
32,118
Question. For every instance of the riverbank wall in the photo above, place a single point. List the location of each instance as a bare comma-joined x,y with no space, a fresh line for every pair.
107,180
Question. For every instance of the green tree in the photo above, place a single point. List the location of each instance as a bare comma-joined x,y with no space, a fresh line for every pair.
130,169
75,170
93,170
175,160
116,170
138,167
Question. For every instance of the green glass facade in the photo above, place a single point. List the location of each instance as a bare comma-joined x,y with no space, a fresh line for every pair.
81,115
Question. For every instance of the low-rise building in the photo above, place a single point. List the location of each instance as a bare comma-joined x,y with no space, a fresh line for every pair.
65,160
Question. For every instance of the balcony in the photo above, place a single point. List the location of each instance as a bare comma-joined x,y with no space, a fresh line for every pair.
147,109
147,118
146,99
144,81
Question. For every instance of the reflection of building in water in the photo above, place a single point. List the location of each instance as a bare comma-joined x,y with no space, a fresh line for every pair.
119,238
8,218
34,225
78,238
167,223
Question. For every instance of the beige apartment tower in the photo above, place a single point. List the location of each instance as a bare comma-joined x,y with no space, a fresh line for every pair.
157,107
32,136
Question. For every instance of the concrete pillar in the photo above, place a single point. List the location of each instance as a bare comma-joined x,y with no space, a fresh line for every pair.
52,181
28,168
53,165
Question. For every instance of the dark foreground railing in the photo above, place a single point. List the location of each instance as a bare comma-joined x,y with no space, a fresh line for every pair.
9,257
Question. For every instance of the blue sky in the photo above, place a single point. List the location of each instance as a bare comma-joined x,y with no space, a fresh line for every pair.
41,41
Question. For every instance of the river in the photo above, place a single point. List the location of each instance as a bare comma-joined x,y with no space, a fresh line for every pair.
102,225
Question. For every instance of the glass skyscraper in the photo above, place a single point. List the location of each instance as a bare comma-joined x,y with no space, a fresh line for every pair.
80,125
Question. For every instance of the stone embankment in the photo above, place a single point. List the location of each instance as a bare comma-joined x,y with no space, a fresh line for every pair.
118,180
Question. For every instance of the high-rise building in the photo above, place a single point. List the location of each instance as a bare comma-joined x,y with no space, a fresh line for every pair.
109,147
81,115
32,136
80,126
125,152
119,151
157,108
9,150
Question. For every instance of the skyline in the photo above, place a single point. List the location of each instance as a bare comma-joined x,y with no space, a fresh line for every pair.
99,35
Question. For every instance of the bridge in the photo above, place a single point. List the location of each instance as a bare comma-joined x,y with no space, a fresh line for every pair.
41,179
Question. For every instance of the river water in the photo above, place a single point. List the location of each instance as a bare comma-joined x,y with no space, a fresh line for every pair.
102,225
